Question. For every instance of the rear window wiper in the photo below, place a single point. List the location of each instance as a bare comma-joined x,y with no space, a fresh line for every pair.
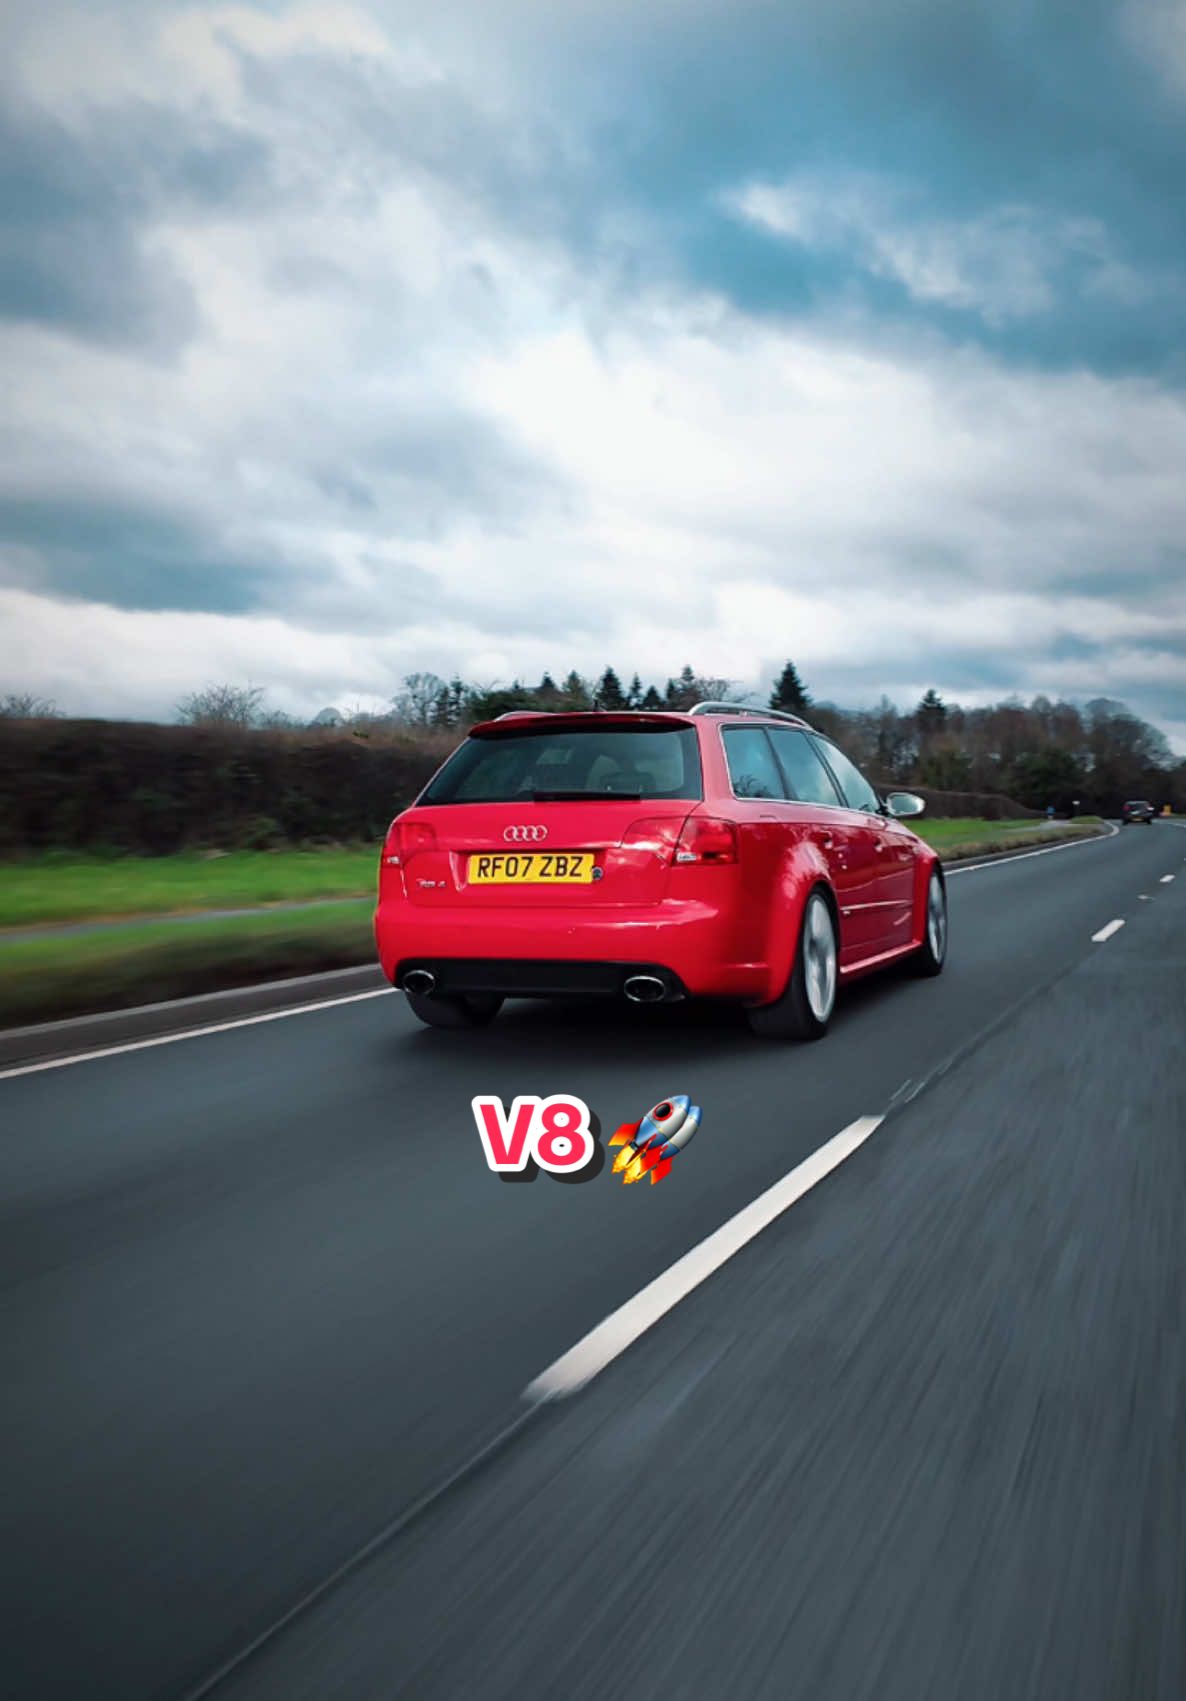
582,796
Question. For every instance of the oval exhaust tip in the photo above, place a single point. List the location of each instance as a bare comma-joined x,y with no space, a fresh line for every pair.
419,980
644,989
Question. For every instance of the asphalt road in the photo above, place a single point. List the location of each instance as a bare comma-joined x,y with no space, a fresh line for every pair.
924,1436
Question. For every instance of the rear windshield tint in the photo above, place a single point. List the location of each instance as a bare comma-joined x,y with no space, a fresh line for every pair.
595,762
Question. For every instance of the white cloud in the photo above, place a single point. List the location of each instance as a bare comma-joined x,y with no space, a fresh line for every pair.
1001,264
423,434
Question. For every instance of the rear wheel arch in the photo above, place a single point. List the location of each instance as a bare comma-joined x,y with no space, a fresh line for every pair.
824,886
790,1015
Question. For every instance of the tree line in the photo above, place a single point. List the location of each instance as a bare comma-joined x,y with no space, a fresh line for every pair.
1044,753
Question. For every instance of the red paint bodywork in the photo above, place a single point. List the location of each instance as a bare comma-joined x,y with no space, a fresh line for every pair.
726,930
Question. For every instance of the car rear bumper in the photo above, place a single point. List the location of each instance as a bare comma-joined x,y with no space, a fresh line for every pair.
567,952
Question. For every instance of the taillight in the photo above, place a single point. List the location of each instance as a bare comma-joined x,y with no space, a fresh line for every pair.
404,839
707,839
660,835
700,838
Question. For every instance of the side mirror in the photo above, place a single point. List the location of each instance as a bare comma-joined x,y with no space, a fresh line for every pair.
901,804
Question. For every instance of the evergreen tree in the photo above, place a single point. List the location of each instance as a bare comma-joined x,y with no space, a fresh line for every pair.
652,700
575,692
609,693
495,700
681,693
930,715
634,695
790,694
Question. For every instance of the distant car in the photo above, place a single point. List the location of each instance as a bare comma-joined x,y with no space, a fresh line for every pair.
1138,811
654,857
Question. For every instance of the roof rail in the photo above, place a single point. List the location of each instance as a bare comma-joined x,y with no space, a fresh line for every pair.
511,714
748,709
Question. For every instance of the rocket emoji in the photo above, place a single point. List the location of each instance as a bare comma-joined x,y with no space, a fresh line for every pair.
649,1147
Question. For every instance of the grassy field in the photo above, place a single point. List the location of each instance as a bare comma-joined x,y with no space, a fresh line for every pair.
969,837
60,888
42,979
54,888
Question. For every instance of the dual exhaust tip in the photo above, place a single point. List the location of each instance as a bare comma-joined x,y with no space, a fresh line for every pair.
639,989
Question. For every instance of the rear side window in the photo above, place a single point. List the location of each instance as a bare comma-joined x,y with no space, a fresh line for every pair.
858,793
571,762
808,781
753,772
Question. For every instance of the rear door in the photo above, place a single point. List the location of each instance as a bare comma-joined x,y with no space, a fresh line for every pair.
842,834
889,894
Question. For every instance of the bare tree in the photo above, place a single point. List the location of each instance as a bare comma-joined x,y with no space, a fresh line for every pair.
222,705
415,704
23,706
710,689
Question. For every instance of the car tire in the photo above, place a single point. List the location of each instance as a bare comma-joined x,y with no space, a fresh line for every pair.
472,1010
932,953
805,1007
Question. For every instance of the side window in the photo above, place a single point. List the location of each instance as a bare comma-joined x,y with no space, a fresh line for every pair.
858,793
752,768
807,778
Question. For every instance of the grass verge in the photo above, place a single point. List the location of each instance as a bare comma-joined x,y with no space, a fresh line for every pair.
42,980
983,838
55,887
47,978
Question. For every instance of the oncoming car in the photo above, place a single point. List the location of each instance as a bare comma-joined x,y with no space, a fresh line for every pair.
720,853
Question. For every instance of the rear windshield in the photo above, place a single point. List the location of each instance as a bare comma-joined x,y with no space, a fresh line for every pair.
571,762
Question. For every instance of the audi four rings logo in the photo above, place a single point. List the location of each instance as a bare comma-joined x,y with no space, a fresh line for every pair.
524,835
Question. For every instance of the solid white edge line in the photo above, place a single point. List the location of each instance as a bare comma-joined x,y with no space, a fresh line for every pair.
1106,932
621,1328
189,1033
1166,878
1024,856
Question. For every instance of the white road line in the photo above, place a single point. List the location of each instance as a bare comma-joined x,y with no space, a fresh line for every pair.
1023,856
1106,932
622,1327
190,1033
1166,878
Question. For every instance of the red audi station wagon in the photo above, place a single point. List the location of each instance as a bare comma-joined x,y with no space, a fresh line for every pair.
723,852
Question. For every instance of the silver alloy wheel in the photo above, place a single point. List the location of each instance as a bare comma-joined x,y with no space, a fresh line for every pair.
819,958
936,918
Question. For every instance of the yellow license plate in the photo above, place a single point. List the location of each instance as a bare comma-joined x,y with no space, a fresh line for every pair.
532,868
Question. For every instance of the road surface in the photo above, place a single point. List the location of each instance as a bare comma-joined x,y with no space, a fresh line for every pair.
923,1436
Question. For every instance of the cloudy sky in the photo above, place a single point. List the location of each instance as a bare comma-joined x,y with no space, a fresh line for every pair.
341,341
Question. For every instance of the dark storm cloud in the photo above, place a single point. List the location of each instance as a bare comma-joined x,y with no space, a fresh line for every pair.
75,203
132,556
429,470
970,107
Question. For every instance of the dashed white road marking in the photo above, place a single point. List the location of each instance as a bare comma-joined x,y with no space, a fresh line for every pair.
1166,878
621,1328
1106,932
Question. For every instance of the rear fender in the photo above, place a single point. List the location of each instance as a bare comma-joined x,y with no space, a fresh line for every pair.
802,870
922,880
